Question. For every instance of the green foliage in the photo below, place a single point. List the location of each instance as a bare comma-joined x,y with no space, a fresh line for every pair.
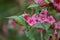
46,0
59,34
30,34
38,25
46,26
33,5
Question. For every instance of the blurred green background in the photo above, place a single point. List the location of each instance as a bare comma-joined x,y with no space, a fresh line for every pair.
11,8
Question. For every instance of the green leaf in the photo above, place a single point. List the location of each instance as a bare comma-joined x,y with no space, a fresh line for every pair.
46,0
46,26
38,25
38,9
59,34
30,34
18,19
33,5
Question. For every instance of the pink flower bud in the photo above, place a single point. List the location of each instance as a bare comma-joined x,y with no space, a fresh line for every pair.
56,35
43,4
50,38
26,16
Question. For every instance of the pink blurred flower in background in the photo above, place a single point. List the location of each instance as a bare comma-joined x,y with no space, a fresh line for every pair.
50,20
57,25
31,21
4,28
12,22
38,1
26,16
20,30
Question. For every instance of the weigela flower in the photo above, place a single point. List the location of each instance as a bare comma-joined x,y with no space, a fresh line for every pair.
31,21
50,20
11,22
34,16
57,25
38,1
44,11
57,7
42,18
26,16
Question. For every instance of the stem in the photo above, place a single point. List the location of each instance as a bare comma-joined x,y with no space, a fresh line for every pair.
41,35
46,35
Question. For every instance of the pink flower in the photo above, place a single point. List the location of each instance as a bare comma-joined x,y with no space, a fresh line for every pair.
56,35
38,1
44,11
57,7
57,25
31,21
26,16
35,17
50,20
11,22
42,18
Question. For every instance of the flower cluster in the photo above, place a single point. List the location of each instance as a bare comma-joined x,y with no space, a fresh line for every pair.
52,3
42,18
